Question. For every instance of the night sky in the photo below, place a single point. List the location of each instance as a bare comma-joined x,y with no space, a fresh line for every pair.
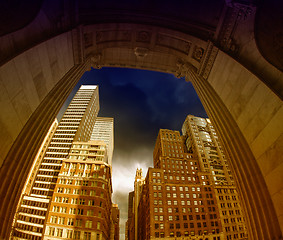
141,102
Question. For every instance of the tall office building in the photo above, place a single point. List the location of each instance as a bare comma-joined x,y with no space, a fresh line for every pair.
202,139
76,125
190,194
81,206
104,130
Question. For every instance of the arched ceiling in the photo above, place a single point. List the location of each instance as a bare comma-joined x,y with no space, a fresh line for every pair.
198,18
269,31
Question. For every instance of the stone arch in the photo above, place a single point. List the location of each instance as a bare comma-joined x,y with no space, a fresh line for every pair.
244,105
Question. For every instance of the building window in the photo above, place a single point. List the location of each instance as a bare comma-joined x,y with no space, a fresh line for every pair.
69,233
72,211
70,222
78,223
51,231
59,232
61,220
53,219
77,234
88,224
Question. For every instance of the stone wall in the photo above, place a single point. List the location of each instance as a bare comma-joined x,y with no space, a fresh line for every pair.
258,113
26,80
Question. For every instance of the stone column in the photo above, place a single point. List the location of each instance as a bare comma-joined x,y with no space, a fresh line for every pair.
261,218
18,161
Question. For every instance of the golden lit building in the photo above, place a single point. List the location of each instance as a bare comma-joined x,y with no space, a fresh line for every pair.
190,193
202,139
104,130
174,203
81,205
76,125
22,217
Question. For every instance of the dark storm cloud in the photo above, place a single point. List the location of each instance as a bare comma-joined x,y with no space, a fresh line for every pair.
142,102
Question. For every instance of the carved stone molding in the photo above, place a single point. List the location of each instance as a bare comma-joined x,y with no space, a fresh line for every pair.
208,60
77,45
198,53
174,43
141,52
183,68
236,13
143,36
88,40
95,61
113,36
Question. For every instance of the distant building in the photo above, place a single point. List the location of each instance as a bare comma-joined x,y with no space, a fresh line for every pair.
115,229
131,218
190,193
139,182
104,130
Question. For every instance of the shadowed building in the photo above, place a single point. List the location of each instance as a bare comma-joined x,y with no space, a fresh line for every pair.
130,231
188,193
115,228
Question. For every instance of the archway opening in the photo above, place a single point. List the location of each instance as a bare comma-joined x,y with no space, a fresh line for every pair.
141,102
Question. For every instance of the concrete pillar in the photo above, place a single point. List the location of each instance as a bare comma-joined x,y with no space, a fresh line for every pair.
18,161
261,216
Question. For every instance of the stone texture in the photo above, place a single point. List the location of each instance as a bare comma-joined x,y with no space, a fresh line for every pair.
21,106
274,178
25,76
258,113
10,79
272,157
27,79
268,135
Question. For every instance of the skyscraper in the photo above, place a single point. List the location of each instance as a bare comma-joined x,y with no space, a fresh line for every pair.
81,206
76,125
104,130
202,139
184,195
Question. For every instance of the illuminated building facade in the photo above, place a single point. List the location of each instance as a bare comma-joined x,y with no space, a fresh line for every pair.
76,125
81,205
175,204
104,130
190,193
202,139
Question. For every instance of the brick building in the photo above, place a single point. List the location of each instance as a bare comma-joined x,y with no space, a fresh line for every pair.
81,205
190,193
